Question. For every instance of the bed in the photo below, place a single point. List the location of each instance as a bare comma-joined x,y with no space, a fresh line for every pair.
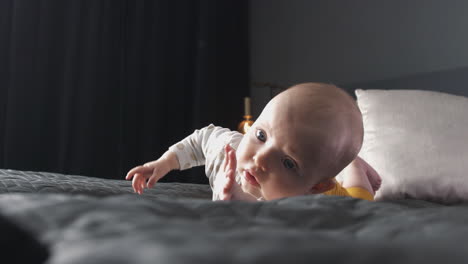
419,217
80,219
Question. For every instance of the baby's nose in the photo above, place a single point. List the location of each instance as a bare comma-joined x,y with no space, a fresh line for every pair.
260,161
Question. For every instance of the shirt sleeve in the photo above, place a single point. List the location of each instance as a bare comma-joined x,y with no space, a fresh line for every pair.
194,150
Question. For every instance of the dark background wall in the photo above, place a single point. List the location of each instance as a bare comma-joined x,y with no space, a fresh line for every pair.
96,87
347,42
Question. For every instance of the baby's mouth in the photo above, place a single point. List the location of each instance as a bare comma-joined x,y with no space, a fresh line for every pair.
251,179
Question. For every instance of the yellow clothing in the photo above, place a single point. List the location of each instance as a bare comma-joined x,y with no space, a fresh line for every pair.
355,192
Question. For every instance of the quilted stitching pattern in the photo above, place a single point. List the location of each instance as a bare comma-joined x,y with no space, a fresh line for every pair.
14,181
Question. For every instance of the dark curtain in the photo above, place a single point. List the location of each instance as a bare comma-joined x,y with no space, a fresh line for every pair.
96,87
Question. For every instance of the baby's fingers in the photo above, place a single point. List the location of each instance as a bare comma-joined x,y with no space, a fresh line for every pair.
136,183
154,178
142,185
226,157
230,182
232,160
139,170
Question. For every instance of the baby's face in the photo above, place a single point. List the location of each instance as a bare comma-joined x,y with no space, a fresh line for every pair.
273,158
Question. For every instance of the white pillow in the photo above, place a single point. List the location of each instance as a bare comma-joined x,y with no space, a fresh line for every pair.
418,143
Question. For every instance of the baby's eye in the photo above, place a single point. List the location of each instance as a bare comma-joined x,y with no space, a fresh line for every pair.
260,135
289,164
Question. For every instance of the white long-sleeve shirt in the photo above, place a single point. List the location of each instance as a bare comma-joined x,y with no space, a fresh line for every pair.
206,147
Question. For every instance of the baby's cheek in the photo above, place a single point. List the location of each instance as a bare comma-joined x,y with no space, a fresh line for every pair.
240,155
284,188
240,160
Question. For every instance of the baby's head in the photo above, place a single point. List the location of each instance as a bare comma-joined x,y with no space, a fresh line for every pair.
302,139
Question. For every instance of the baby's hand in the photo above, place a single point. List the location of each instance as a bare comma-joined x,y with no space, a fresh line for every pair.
227,178
147,175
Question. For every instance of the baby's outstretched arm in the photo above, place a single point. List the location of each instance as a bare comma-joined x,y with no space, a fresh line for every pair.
145,176
194,150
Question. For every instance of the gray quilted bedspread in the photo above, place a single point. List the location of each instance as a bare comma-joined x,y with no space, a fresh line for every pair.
89,220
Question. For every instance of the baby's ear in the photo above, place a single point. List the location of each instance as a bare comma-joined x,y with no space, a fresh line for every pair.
322,186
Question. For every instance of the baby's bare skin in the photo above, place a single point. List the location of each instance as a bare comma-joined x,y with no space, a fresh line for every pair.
358,173
302,139
227,181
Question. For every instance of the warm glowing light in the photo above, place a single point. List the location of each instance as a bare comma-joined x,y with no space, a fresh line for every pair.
245,125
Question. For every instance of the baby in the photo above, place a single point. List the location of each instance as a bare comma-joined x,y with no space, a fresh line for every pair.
303,138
